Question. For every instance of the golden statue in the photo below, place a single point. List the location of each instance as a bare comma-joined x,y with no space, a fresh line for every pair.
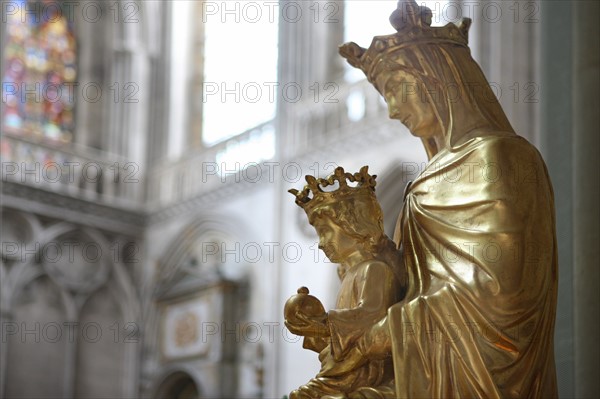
349,223
476,233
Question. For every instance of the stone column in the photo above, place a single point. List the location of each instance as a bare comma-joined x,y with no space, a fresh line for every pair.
93,66
309,35
586,127
556,144
504,40
569,138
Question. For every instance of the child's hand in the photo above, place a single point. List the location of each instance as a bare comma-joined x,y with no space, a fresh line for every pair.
305,315
309,326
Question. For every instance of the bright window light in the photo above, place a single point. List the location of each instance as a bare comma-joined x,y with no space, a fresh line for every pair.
367,18
240,71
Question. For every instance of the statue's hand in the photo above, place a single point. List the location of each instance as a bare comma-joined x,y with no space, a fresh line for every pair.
305,315
309,326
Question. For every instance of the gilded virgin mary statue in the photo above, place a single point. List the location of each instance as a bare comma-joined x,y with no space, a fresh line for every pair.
477,268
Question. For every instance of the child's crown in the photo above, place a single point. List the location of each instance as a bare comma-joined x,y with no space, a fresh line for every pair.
313,197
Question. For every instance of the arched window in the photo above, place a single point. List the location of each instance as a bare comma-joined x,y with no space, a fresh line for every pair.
240,70
39,74
80,310
223,83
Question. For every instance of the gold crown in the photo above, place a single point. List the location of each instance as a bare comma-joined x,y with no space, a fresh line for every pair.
413,26
313,197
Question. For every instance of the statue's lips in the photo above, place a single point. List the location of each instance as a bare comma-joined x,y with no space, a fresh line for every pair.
404,119
329,251
407,123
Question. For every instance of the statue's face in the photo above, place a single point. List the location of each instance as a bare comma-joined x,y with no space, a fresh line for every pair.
335,242
410,99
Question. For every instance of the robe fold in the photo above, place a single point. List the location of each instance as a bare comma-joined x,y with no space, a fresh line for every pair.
477,231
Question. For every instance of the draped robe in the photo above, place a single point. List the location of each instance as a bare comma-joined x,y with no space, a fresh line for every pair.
478,234
366,293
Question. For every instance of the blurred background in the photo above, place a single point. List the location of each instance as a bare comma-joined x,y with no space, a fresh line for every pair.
148,239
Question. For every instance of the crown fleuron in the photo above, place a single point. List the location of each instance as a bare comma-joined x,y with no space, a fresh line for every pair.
413,26
312,196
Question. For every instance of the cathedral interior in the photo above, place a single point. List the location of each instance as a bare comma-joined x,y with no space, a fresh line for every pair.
148,239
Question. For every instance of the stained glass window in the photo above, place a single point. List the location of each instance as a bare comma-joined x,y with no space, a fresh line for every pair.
39,74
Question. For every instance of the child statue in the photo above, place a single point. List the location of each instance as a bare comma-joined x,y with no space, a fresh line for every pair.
349,223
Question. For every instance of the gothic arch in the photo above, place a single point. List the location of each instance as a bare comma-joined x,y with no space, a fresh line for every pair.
38,345
175,379
183,244
75,288
180,284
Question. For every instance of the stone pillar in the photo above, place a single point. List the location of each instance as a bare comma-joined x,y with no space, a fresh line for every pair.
93,66
196,103
504,39
556,144
158,126
5,318
308,56
586,127
569,138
